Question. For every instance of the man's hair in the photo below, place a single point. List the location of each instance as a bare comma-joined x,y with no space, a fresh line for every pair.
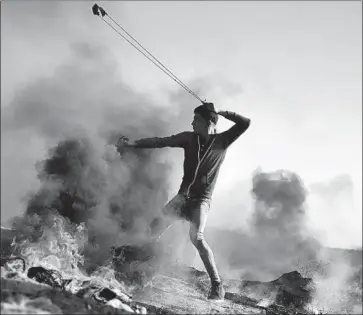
208,112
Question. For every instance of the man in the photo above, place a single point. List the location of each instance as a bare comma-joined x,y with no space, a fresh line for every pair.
204,152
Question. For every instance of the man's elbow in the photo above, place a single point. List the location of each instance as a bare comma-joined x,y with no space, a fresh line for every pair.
246,123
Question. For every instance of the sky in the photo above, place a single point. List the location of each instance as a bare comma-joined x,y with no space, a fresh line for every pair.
294,68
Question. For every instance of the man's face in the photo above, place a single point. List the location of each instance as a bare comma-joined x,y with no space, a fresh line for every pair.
199,124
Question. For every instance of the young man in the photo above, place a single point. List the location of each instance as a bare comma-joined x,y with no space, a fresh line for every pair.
204,152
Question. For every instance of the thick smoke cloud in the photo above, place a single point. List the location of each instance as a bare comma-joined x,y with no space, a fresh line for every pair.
277,239
75,116
65,122
79,113
279,220
83,107
280,240
80,186
280,213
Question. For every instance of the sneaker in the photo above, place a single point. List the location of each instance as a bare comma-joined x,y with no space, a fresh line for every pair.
217,292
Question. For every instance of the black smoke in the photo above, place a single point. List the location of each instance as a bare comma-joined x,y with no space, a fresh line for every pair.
278,239
279,216
279,205
78,114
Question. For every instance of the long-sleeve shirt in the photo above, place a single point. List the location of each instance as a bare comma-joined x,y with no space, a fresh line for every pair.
201,165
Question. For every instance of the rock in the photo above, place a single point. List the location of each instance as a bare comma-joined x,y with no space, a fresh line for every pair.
291,289
49,277
140,310
118,304
294,290
107,294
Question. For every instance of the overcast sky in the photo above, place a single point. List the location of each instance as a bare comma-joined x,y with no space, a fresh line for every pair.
294,68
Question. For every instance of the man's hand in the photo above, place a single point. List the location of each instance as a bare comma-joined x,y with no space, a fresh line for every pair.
221,112
122,143
218,111
214,108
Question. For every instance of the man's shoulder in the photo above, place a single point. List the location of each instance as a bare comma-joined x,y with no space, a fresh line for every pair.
187,134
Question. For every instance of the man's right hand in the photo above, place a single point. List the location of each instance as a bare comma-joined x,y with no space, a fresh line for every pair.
122,143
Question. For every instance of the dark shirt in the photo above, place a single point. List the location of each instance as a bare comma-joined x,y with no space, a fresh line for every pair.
201,161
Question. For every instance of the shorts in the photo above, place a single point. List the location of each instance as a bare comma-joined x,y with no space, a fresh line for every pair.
181,207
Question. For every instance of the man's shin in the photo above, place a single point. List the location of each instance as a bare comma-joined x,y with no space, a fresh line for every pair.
207,258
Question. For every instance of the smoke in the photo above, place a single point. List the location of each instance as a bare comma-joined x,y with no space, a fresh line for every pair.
279,214
338,282
78,114
333,208
67,123
68,120
281,224
277,239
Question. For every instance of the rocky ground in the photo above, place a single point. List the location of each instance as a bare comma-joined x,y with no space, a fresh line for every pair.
179,289
174,288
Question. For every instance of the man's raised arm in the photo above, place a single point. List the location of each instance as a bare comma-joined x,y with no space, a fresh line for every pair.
240,126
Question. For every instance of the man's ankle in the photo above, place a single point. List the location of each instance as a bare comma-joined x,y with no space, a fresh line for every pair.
216,284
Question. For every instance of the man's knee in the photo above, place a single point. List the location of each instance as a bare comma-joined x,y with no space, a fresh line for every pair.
197,238
200,237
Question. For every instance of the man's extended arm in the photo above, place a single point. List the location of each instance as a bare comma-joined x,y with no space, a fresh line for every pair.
240,126
176,141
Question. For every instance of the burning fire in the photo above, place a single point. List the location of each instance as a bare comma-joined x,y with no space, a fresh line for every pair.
57,248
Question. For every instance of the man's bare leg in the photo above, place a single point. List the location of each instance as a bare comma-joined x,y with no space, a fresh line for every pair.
168,215
198,222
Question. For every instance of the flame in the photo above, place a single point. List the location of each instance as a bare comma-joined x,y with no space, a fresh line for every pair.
59,247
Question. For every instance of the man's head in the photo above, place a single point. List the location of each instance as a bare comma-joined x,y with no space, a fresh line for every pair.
205,119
